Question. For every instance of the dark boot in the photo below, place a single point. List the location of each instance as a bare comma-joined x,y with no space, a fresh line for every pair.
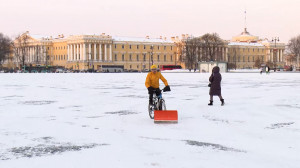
222,102
211,103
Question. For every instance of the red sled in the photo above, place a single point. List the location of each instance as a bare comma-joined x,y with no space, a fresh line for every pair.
165,116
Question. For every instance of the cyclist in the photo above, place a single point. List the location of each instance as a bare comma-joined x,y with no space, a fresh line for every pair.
152,83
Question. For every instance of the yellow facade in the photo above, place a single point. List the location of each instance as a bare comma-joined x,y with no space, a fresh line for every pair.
85,52
244,50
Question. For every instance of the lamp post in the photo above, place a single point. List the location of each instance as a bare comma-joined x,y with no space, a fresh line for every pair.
151,56
275,39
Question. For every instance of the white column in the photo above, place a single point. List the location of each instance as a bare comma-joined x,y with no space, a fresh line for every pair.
30,55
74,52
110,52
68,48
281,53
84,52
33,54
100,52
71,58
45,53
90,51
80,53
105,53
77,52
95,52
277,53
271,53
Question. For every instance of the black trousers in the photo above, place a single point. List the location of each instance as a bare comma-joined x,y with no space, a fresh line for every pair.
151,92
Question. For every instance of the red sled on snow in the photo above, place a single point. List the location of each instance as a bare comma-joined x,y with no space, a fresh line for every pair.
165,116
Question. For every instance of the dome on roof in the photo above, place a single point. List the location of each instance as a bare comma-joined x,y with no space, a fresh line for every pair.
245,36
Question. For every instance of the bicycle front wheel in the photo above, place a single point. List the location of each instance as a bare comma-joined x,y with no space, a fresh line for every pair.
151,111
162,105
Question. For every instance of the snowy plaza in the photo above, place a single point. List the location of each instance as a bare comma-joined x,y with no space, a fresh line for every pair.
101,120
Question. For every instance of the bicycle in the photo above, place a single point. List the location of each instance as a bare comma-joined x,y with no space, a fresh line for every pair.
158,104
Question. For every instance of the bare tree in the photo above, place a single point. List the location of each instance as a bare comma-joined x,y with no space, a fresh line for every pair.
210,43
204,48
21,48
191,52
5,48
294,47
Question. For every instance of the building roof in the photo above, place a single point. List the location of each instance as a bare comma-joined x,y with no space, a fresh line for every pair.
245,44
245,36
142,39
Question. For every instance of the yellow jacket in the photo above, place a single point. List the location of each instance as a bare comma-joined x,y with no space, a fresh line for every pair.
153,80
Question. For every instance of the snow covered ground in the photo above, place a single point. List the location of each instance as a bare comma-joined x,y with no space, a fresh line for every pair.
101,120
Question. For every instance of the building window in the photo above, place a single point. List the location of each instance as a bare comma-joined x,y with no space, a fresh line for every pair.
248,58
144,57
130,57
165,58
158,58
171,47
239,58
253,49
171,57
165,47
158,47
123,57
116,57
115,45
253,58
144,47
138,66
243,58
137,47
129,46
137,57
122,46
130,66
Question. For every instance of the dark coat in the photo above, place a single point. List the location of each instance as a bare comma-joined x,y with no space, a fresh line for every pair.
215,80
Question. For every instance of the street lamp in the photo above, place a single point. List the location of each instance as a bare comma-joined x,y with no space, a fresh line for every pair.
275,39
151,56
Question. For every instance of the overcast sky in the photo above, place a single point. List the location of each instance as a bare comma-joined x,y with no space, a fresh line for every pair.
138,18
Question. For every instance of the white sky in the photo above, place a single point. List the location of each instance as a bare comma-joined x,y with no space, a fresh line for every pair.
265,18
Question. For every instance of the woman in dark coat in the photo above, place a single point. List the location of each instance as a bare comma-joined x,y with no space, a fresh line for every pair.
215,85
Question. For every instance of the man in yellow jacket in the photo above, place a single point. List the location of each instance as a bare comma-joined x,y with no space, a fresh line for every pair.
152,83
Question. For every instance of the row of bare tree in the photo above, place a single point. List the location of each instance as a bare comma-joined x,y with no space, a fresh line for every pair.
294,50
203,48
5,48
18,47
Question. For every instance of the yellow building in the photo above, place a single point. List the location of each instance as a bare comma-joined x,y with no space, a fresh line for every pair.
248,51
83,52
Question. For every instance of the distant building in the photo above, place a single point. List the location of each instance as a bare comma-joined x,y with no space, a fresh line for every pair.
248,51
83,52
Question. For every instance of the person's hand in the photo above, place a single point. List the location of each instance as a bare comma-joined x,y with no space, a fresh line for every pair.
167,88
